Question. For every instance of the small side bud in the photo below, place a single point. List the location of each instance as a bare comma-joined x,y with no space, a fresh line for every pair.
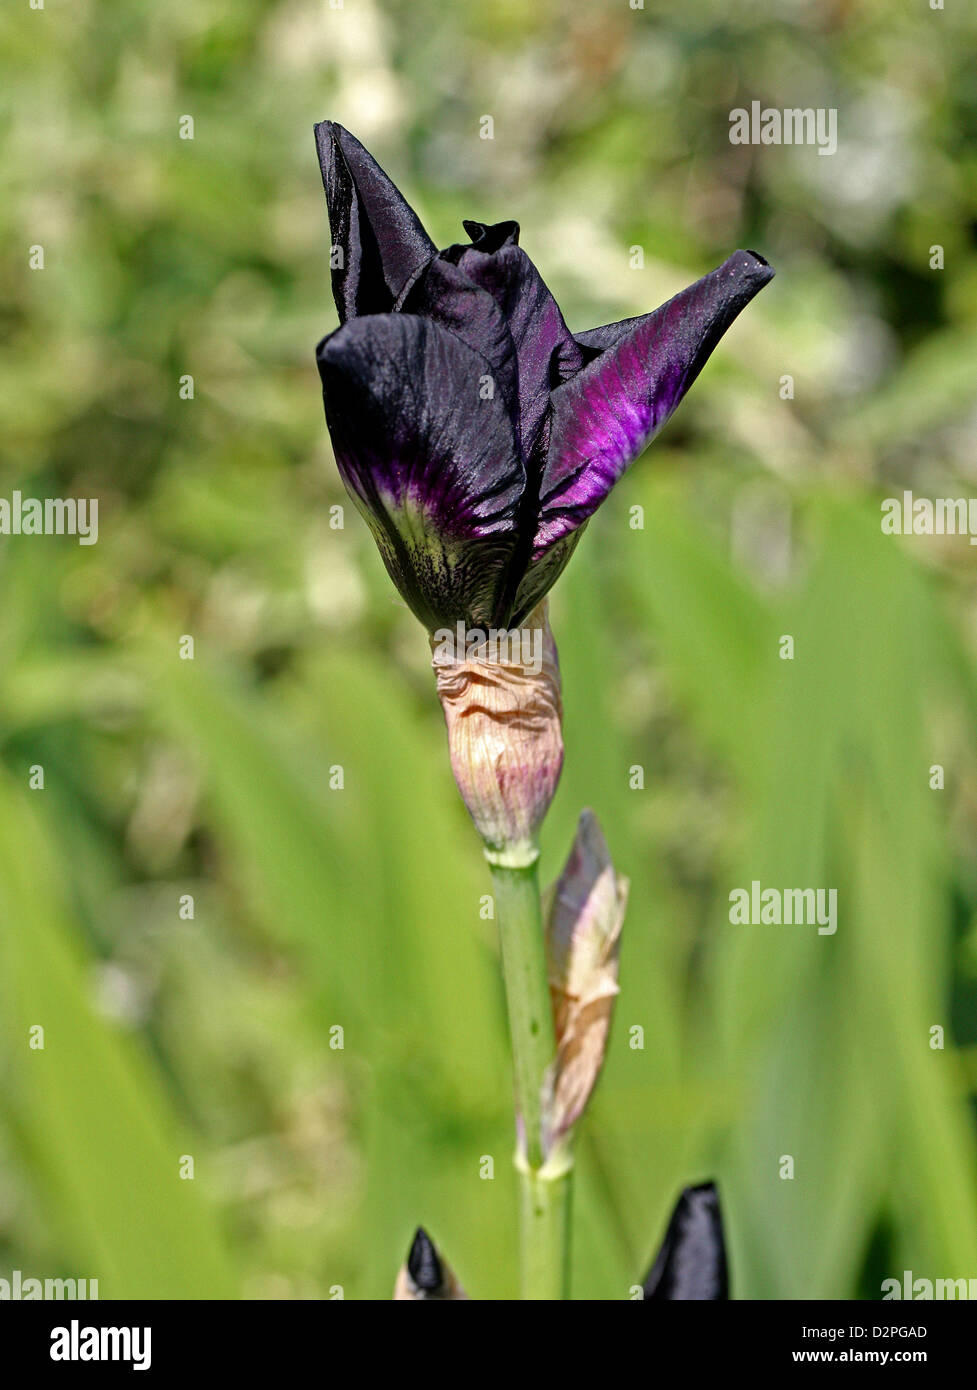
501,700
691,1265
583,931
426,1275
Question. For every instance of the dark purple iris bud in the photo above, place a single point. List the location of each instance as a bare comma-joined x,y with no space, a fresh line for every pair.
423,1265
691,1264
473,430
427,1276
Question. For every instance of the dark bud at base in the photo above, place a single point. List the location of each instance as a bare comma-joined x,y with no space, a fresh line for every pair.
426,1275
423,1264
691,1263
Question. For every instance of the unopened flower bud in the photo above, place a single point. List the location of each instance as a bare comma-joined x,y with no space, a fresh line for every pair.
500,691
426,1275
586,913
691,1264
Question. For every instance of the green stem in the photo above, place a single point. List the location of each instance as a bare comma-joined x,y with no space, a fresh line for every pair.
527,994
544,1189
544,1200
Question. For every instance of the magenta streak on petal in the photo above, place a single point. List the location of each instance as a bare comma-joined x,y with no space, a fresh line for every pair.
605,415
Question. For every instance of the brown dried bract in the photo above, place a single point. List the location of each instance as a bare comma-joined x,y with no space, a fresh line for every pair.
504,713
586,913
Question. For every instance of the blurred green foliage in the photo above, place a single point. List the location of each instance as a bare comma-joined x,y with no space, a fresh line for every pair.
318,908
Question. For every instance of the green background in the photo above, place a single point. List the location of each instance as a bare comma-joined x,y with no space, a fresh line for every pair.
318,908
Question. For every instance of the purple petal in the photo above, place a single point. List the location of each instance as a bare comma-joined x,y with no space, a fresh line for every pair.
605,415
381,239
431,464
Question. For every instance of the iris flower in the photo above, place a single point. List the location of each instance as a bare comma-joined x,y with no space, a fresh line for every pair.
473,430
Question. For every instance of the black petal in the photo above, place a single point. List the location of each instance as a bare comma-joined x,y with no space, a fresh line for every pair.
492,238
546,351
381,240
430,461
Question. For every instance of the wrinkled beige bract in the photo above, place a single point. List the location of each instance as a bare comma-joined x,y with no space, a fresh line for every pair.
586,912
503,719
